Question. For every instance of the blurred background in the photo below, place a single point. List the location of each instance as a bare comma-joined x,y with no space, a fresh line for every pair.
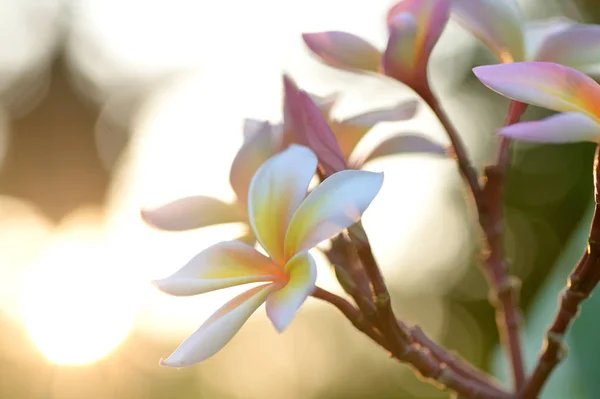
110,105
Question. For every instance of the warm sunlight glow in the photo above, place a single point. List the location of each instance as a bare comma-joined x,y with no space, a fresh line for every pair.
77,305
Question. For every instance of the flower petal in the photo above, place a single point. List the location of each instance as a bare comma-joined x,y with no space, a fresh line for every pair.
536,33
430,16
333,205
577,46
276,191
258,146
343,50
283,304
325,103
351,130
226,264
566,127
305,124
253,126
219,329
544,84
400,57
405,144
192,213
497,23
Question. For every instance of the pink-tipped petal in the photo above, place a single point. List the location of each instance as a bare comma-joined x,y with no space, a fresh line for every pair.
219,329
276,192
497,23
351,130
544,84
259,146
333,205
305,124
192,213
283,304
343,50
566,127
406,144
226,264
318,136
577,46
431,17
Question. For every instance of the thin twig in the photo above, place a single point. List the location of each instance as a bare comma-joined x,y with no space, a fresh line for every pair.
489,201
420,358
352,314
582,281
339,253
457,364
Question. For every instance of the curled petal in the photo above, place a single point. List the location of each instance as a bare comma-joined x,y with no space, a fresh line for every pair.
566,127
283,304
430,17
406,144
226,264
497,23
260,144
219,329
305,124
276,191
577,46
333,205
343,50
192,213
544,84
351,130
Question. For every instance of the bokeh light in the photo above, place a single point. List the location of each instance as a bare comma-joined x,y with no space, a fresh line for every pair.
78,301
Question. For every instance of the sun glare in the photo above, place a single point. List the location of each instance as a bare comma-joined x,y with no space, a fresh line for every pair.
76,303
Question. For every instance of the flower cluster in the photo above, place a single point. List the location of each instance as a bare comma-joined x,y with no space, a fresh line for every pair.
547,64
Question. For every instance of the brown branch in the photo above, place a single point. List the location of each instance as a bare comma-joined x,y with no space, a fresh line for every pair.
456,363
339,254
435,372
581,283
489,204
388,324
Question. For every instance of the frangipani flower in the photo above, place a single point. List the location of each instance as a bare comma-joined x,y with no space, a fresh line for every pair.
414,28
501,27
287,224
556,87
261,141
339,137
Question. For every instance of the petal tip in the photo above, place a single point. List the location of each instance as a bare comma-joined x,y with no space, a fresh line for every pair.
167,363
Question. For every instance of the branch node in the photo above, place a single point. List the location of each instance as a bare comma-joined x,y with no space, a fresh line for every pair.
382,300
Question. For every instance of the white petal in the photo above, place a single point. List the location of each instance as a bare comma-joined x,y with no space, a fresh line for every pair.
276,191
219,329
283,304
223,265
335,204
192,213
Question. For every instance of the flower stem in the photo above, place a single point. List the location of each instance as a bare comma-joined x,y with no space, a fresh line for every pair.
582,281
504,289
